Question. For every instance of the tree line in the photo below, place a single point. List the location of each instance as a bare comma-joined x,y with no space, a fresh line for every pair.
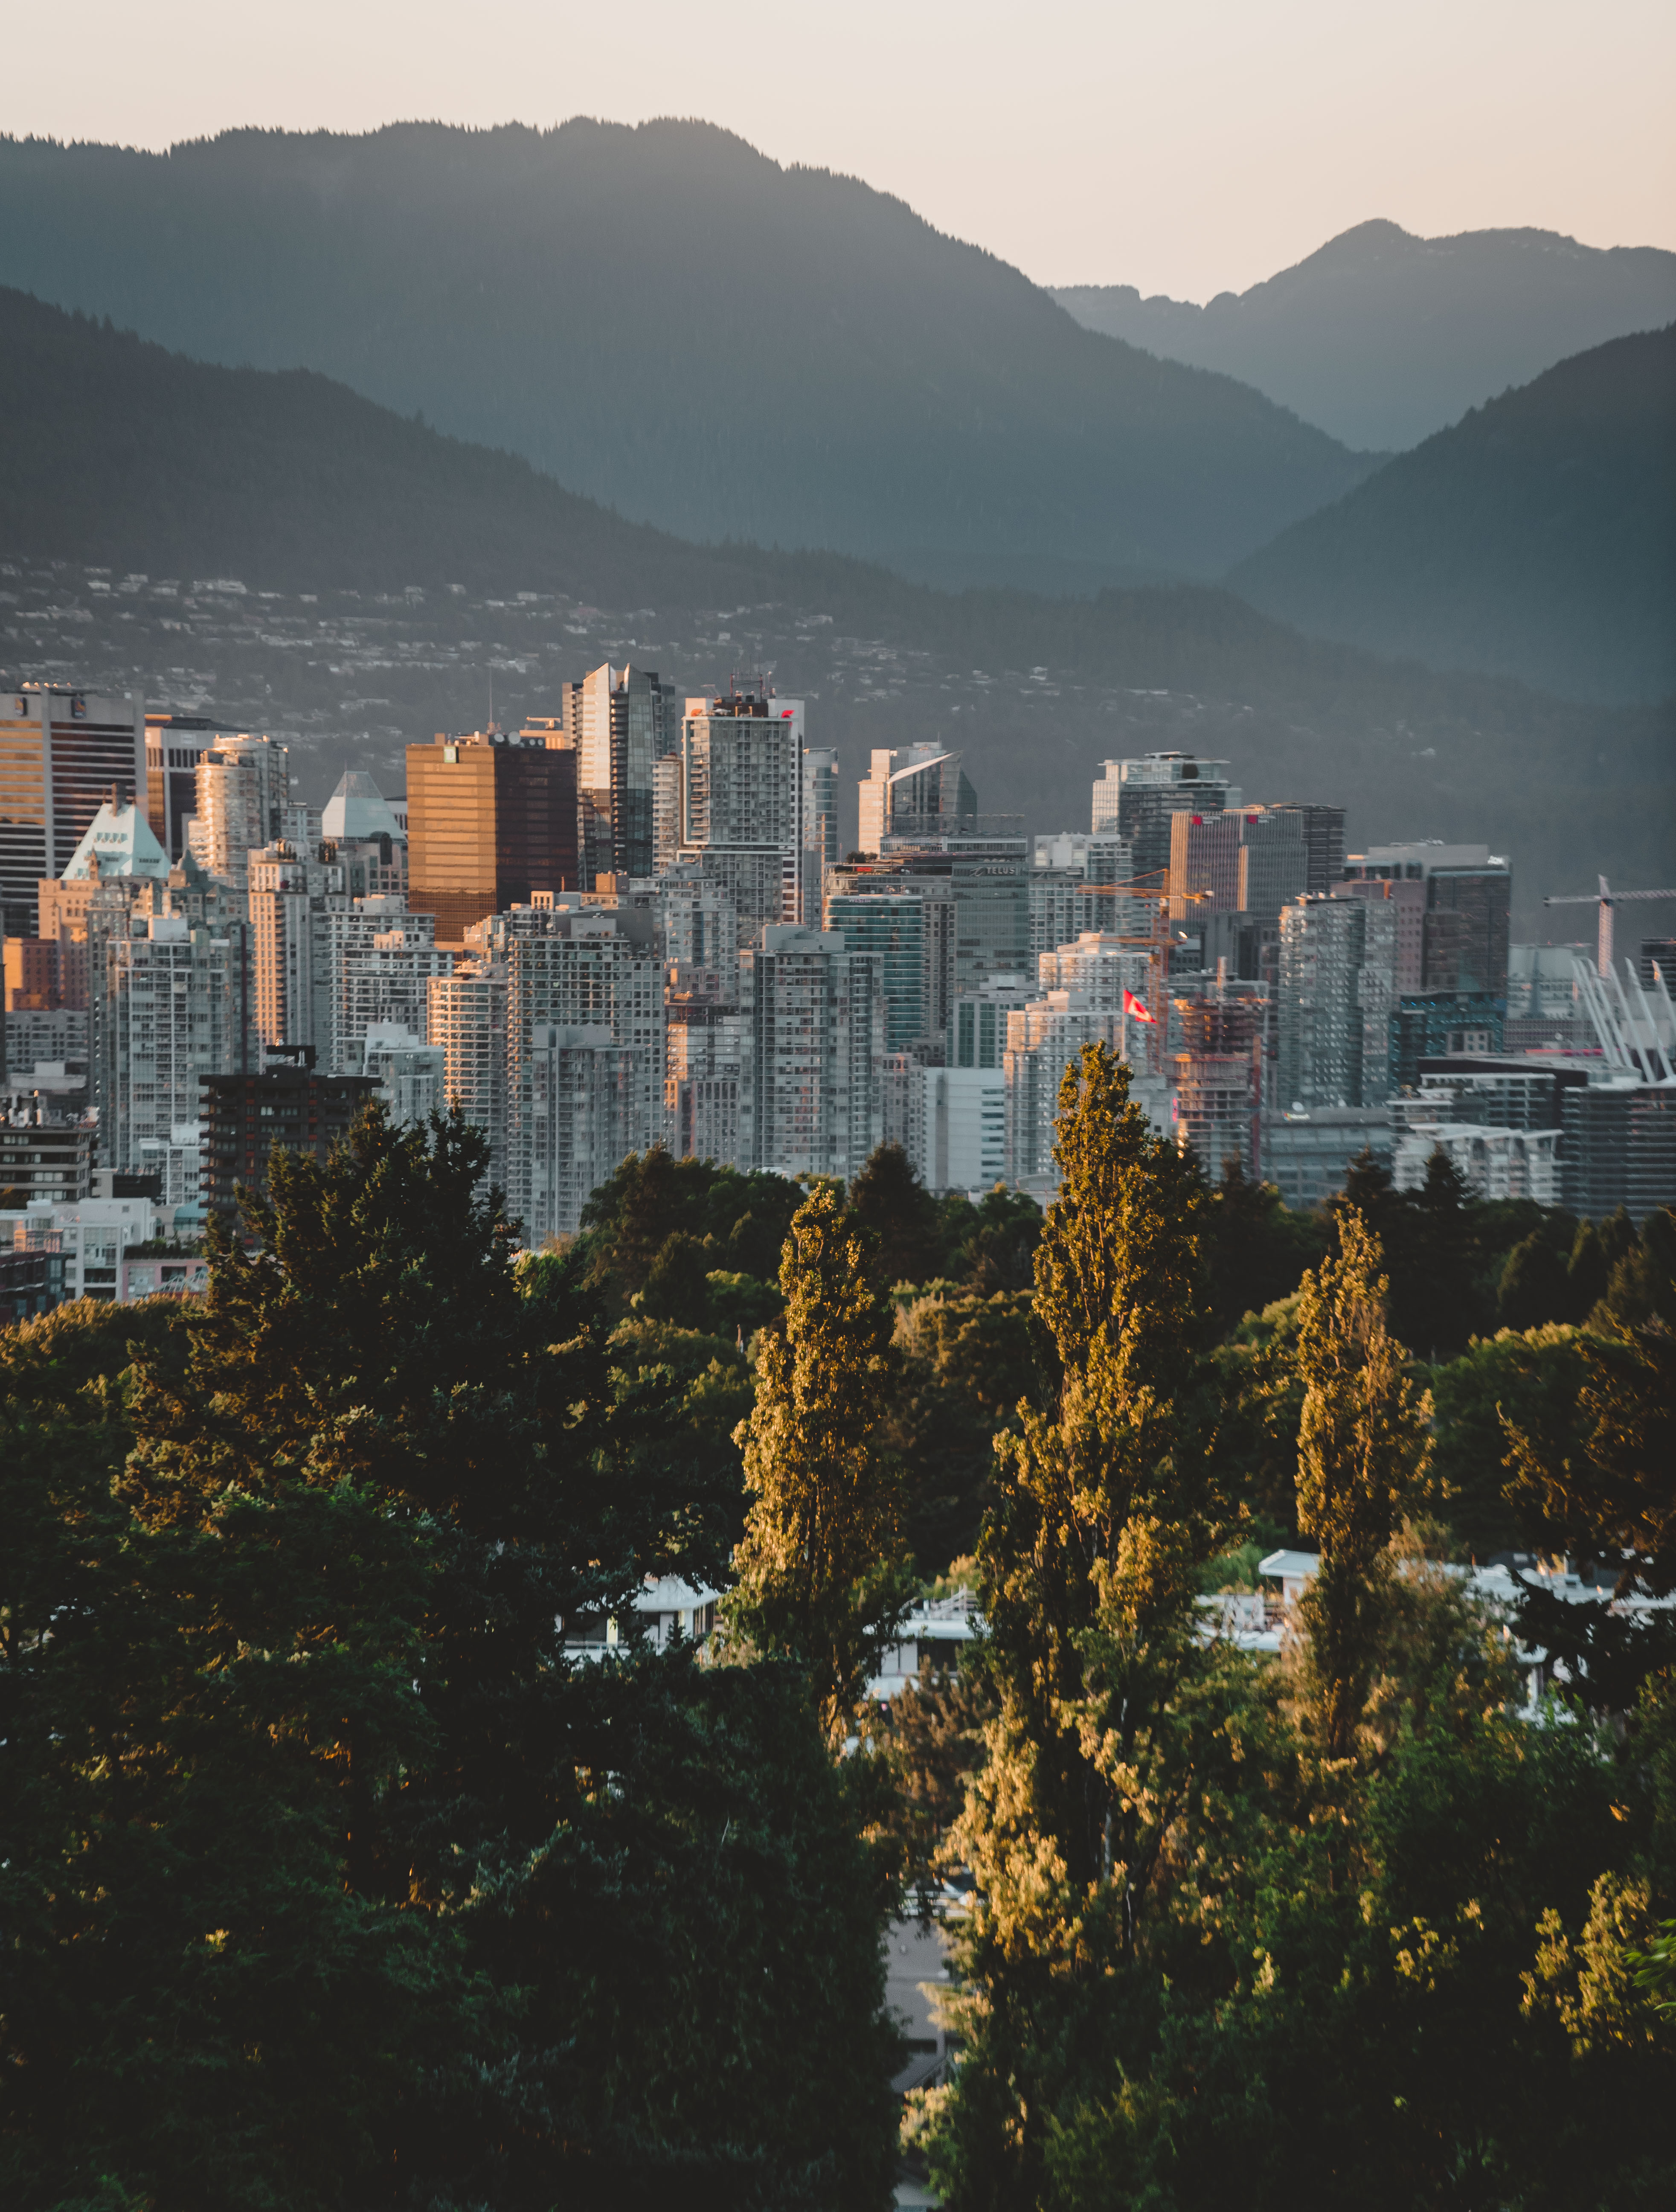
333,1877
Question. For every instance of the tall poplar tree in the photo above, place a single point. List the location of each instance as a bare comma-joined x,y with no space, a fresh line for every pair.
1105,1500
822,1572
1105,1507
1360,1444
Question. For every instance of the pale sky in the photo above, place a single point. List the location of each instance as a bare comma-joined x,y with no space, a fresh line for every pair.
1185,146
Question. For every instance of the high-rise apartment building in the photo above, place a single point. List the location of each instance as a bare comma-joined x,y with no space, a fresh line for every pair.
248,1117
242,788
1043,1038
491,822
1073,887
707,1090
1323,832
1135,798
292,897
175,744
619,722
977,919
819,825
116,859
411,1076
890,927
977,1030
1338,959
817,1023
383,959
575,965
466,1015
742,793
957,1127
820,805
1100,967
580,1114
171,1006
61,754
914,792
665,811
1468,895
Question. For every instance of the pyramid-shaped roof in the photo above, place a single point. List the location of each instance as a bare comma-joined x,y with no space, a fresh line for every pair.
121,837
357,810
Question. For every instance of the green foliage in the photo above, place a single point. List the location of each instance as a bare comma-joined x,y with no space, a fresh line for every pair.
1256,1250
821,1574
899,1218
327,1878
964,1363
1528,1382
739,1221
1535,1285
1360,1445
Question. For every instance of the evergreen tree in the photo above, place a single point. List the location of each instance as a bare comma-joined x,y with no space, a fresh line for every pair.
1443,1307
1104,1509
888,1202
822,1573
331,1877
1535,1286
1360,1442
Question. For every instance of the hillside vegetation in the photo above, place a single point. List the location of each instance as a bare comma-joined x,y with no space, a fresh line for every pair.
673,324
1538,537
121,457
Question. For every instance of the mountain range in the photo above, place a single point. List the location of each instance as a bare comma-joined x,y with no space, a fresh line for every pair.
277,549
1537,537
667,321
1382,337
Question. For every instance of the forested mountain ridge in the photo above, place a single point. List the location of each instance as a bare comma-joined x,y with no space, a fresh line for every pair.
119,457
1537,537
1382,337
669,322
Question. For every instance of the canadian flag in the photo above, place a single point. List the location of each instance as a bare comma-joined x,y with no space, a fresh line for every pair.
1132,1005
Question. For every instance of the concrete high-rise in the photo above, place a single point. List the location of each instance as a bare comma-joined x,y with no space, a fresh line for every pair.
171,1006
292,895
466,1015
62,753
383,959
571,965
242,787
914,792
1464,927
491,822
411,1075
1336,991
890,927
1137,797
817,1026
580,1122
175,744
741,801
1043,1038
619,722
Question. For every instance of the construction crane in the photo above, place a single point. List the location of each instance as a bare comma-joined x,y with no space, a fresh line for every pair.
1606,898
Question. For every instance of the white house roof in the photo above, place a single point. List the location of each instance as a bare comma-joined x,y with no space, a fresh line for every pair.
1289,1566
122,838
357,811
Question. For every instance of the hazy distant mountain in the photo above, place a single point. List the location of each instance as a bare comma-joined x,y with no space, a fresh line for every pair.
328,510
669,322
1381,337
1538,537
